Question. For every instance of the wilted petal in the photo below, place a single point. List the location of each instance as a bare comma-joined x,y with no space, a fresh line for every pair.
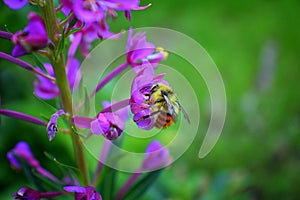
52,128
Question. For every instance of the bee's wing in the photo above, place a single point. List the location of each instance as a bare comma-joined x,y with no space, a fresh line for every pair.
186,116
171,108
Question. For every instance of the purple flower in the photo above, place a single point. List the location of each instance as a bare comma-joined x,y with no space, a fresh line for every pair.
157,156
52,124
46,89
22,151
140,101
138,49
32,38
87,193
109,124
15,4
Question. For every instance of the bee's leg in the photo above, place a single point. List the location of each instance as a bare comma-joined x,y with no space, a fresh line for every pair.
147,116
154,89
157,101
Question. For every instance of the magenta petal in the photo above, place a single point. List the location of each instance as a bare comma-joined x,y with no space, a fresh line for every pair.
96,127
13,161
101,125
44,88
23,151
137,47
156,156
45,92
15,4
122,113
147,122
82,121
115,120
18,50
87,11
154,146
74,44
67,4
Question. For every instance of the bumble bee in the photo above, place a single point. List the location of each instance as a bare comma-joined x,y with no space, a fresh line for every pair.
164,105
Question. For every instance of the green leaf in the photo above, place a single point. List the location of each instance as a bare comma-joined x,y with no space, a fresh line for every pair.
141,186
76,29
38,62
107,188
51,157
28,171
79,134
67,170
45,103
73,22
48,182
7,29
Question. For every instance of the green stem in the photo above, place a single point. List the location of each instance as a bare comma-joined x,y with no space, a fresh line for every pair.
58,65
50,20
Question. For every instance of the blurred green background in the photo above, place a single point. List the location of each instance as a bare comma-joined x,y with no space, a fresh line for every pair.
256,46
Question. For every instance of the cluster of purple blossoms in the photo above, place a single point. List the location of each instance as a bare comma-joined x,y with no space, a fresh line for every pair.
83,22
108,124
142,56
